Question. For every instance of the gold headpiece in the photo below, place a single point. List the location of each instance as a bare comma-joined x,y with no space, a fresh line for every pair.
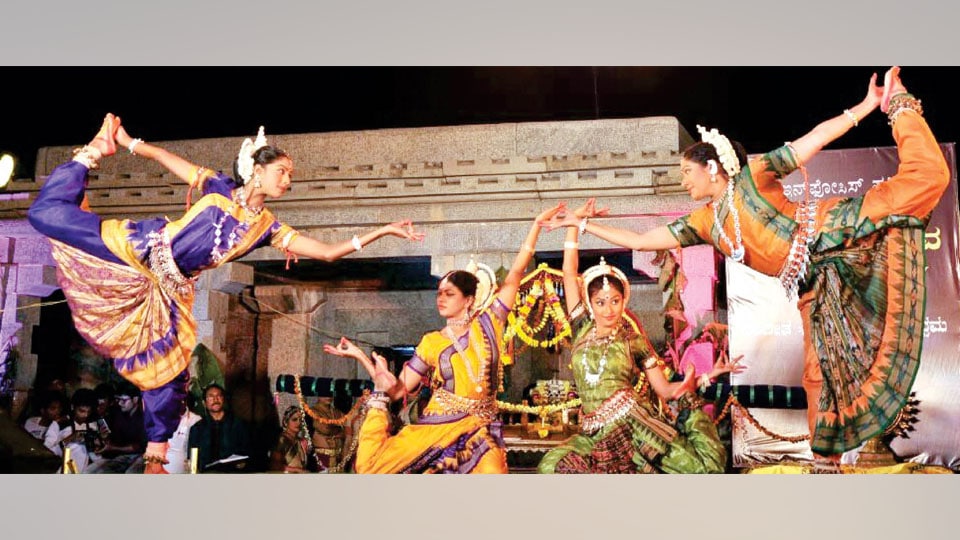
604,271
725,151
486,283
245,156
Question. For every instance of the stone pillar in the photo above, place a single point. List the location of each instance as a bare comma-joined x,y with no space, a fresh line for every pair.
212,304
283,337
28,276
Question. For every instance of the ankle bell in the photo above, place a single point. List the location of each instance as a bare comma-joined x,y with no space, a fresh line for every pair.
88,155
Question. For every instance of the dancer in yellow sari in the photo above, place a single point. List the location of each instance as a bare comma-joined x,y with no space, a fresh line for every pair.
458,431
130,284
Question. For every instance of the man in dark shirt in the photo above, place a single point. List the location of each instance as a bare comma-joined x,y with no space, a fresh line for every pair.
127,439
219,435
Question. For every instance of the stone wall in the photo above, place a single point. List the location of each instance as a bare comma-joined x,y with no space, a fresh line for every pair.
472,189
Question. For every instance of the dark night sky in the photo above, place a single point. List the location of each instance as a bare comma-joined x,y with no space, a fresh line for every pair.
760,106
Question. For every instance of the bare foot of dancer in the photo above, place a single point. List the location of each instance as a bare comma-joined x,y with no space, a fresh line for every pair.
891,87
105,139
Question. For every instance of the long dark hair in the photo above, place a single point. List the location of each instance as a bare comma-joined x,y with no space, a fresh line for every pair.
702,152
263,156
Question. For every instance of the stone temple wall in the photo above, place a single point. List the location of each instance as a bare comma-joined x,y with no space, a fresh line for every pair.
472,189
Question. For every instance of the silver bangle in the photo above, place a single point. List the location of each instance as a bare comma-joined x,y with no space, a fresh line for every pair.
133,144
377,404
357,245
852,117
583,225
570,245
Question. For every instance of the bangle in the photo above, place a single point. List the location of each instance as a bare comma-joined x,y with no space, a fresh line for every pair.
133,144
379,400
704,382
852,117
152,458
583,225
357,245
376,404
570,245
900,103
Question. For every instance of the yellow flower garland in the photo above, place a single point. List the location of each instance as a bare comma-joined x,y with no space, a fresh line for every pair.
518,319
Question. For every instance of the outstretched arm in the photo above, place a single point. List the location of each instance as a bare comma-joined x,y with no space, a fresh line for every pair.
829,130
508,290
378,369
315,249
652,240
184,169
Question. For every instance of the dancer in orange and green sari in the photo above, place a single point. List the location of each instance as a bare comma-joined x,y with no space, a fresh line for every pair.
856,265
458,430
130,284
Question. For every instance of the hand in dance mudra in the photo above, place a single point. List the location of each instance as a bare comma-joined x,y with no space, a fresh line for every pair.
379,370
565,218
403,229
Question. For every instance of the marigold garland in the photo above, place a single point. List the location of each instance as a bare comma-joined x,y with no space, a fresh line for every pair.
540,410
518,320
732,401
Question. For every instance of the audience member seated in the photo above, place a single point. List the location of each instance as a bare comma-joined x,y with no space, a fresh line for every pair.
78,433
222,439
105,399
52,409
123,452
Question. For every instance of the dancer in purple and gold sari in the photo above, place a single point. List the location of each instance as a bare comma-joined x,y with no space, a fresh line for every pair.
130,284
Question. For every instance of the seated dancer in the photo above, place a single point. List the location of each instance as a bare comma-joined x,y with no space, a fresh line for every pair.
130,284
292,452
855,264
620,431
458,431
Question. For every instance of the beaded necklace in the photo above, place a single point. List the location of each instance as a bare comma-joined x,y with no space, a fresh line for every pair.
736,249
249,215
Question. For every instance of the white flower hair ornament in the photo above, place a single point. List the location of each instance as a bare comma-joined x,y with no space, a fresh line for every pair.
725,151
245,157
486,283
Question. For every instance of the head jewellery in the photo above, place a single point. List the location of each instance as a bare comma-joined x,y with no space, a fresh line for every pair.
725,151
245,156
604,271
